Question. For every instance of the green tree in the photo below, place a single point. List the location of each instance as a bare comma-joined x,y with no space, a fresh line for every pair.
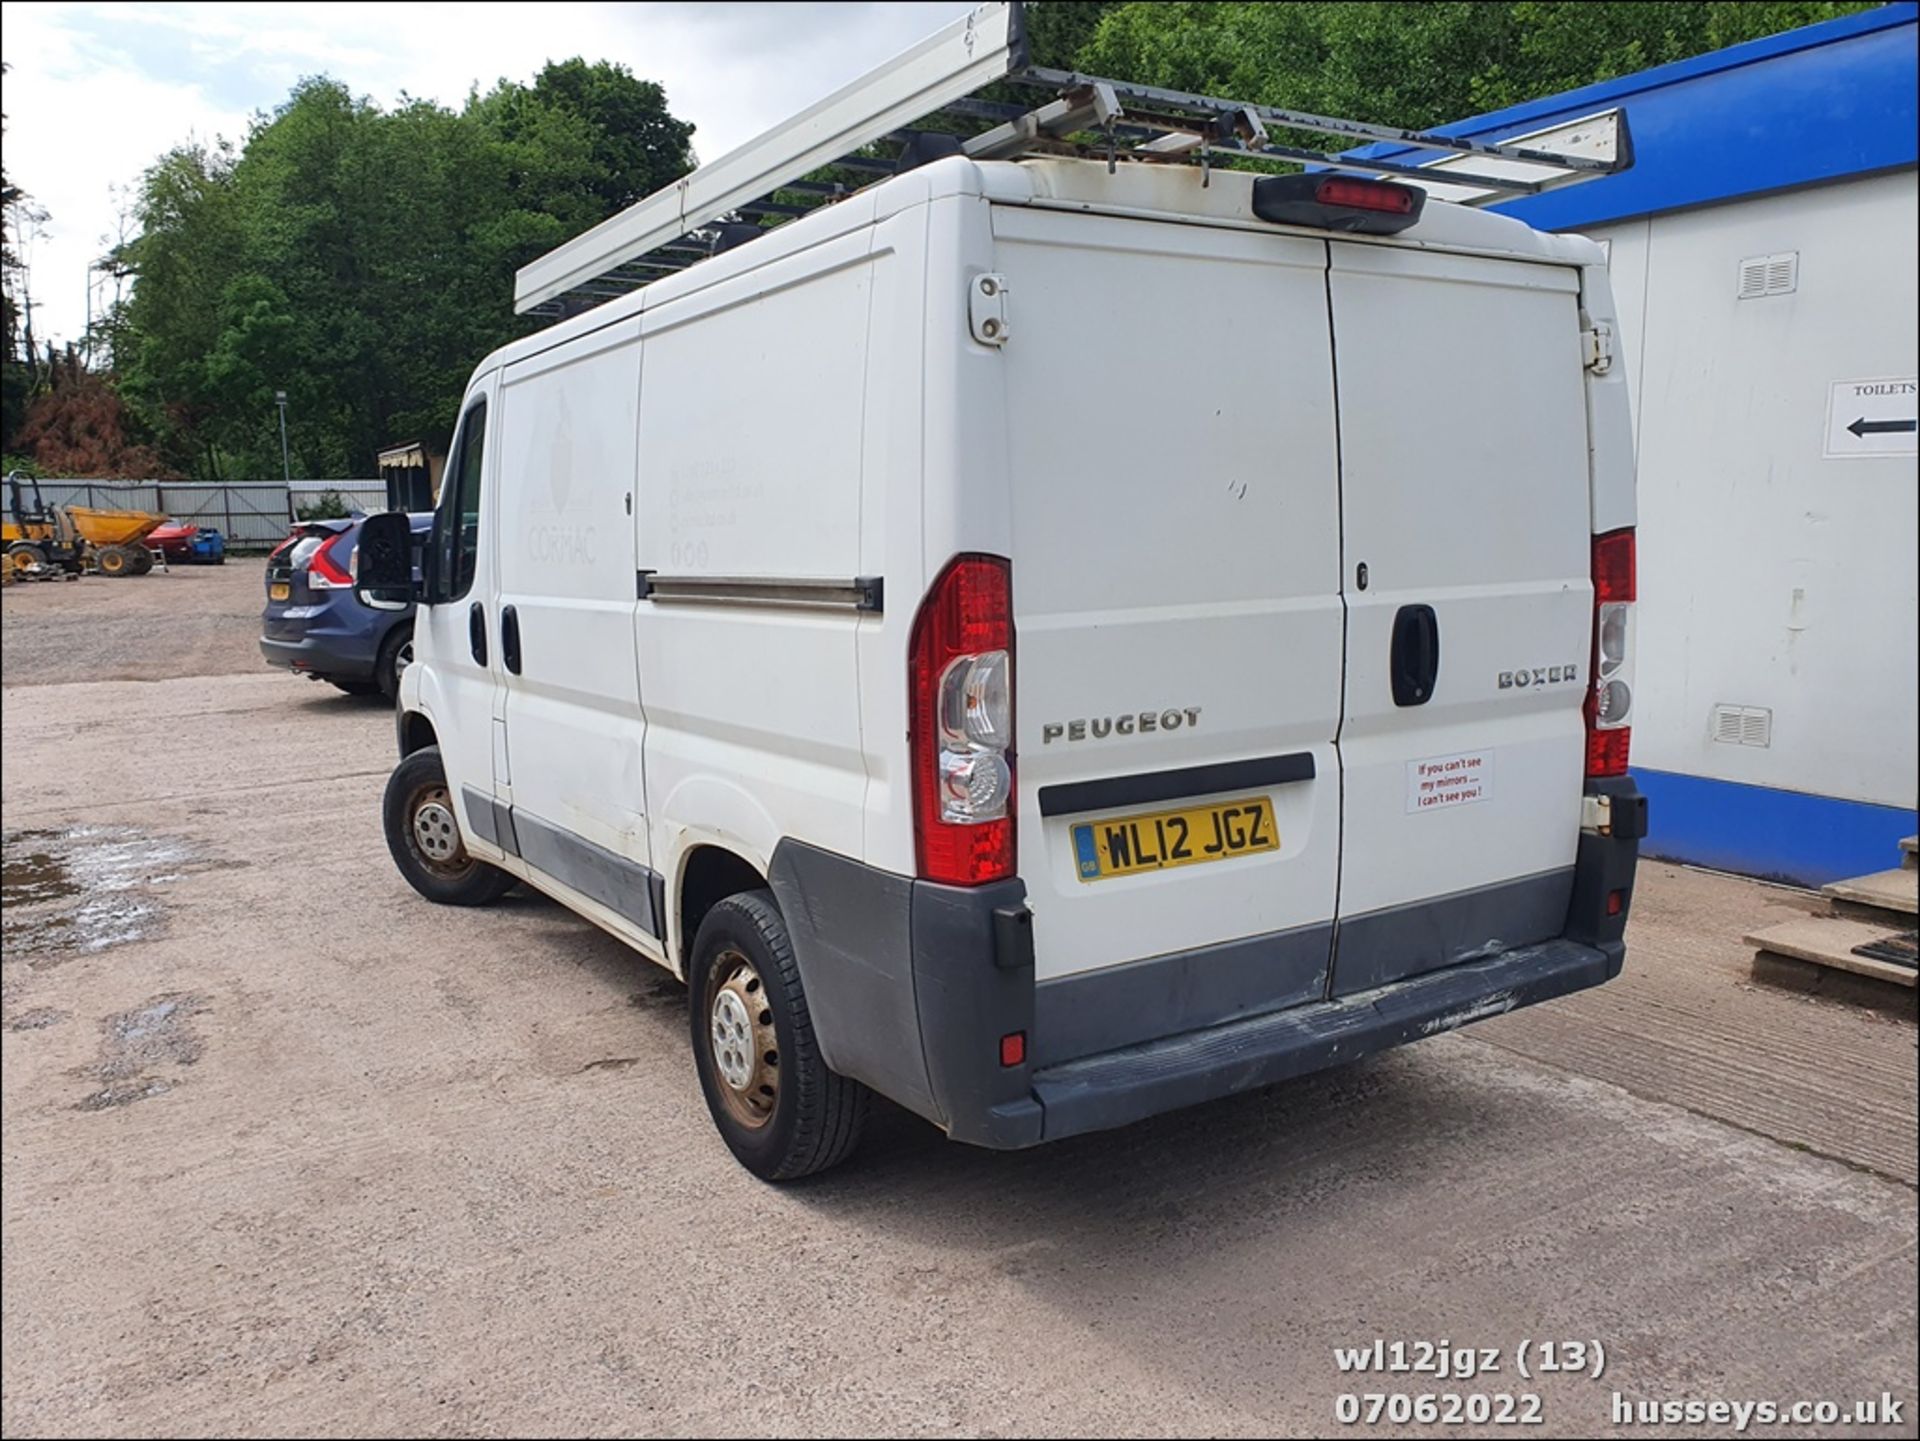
1058,30
362,259
1416,64
634,145
17,363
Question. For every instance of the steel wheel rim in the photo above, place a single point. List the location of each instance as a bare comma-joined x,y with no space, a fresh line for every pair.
433,833
742,1044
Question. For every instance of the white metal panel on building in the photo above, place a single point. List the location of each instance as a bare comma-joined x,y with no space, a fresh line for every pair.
1775,575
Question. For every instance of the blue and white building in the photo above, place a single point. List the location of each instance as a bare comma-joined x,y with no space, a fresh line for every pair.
1763,252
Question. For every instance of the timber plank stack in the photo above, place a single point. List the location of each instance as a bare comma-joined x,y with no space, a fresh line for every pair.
1868,929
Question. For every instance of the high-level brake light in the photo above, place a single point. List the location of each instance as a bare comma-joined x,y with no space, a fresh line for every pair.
1610,688
1348,203
1367,195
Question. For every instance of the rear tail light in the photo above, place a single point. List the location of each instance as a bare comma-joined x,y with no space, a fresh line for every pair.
323,571
1610,692
961,725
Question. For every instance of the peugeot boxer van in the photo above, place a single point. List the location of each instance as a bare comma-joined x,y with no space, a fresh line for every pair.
1047,642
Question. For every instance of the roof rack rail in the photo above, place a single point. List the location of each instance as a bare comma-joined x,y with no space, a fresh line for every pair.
864,130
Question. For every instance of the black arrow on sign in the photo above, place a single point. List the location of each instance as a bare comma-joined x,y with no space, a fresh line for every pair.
1863,426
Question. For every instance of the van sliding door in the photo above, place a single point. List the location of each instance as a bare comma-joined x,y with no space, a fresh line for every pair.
574,726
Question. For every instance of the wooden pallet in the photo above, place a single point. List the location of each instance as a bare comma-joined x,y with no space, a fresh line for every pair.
1830,941
1889,897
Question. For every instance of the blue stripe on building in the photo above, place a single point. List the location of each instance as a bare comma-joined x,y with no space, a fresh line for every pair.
1788,836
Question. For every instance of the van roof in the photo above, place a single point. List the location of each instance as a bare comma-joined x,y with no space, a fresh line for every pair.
1178,193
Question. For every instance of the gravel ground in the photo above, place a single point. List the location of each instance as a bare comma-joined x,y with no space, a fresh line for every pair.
189,620
289,1151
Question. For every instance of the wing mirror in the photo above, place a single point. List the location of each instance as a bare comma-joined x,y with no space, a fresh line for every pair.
383,564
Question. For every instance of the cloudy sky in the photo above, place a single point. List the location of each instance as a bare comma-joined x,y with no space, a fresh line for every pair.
96,92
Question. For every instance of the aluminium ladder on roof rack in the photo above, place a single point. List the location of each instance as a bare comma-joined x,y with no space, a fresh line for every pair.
767,179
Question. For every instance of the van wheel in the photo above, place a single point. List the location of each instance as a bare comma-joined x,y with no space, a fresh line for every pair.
424,836
396,654
781,1112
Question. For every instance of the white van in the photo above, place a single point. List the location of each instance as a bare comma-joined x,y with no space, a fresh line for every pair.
1049,642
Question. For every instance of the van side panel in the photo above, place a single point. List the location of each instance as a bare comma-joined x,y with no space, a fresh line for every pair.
750,467
891,461
573,717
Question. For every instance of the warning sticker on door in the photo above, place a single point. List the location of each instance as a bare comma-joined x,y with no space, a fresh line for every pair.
1441,783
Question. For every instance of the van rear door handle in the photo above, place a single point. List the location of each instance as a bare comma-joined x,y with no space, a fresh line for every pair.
510,638
1416,654
477,633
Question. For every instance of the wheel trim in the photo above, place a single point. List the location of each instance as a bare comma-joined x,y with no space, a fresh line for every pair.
433,833
742,1044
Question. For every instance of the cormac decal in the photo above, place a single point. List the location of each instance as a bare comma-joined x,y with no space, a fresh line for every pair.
1140,723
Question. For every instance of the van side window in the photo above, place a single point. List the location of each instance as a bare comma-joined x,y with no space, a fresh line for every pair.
456,538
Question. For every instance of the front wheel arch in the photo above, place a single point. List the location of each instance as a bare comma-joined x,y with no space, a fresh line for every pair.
416,732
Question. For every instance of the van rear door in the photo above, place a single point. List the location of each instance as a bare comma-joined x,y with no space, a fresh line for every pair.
1169,396
1466,542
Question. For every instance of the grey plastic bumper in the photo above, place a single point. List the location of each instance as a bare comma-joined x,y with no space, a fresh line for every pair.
911,986
1118,1087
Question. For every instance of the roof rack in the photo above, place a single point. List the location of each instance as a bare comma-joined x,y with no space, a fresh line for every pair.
878,125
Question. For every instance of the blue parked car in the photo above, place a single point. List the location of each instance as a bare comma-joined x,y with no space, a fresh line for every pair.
315,627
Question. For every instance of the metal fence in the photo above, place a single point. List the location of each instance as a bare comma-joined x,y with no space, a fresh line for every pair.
252,514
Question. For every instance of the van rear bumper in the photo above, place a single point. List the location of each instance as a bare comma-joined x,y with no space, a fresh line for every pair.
1118,1087
912,987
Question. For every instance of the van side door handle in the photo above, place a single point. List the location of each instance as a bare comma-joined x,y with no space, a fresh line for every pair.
510,638
1416,654
477,632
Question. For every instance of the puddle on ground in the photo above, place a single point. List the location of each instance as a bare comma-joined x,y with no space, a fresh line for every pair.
83,889
157,1032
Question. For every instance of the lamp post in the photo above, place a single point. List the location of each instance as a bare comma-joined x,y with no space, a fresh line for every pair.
286,465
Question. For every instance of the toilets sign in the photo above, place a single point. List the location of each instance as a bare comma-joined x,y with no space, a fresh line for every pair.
1871,417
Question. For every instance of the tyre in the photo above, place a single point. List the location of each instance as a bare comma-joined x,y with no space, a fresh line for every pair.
781,1112
396,654
24,555
114,561
424,836
142,562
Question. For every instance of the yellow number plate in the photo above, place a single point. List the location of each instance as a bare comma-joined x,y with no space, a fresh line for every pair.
279,590
1129,845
